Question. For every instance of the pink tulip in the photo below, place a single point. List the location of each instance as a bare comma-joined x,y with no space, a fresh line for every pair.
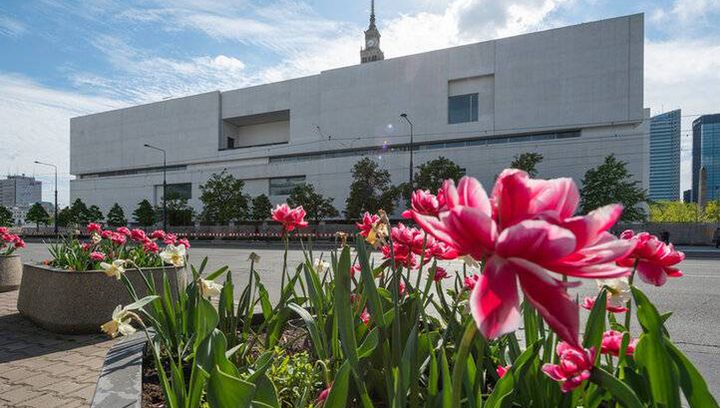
94,227
158,234
589,302
574,368
367,223
424,202
612,341
106,234
124,230
138,235
151,247
402,255
471,281
523,231
170,239
18,242
655,259
440,274
365,317
354,270
118,238
501,371
290,218
3,230
97,256
184,242
324,394
86,246
442,251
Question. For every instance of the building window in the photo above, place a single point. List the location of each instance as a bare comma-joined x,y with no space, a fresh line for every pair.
174,191
230,143
280,186
463,108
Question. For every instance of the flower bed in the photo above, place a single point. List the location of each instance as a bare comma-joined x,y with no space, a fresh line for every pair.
10,263
71,292
405,332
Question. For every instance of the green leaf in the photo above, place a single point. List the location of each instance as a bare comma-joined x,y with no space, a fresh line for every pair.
315,335
215,274
339,392
141,302
265,392
505,387
206,320
370,290
225,391
616,388
693,384
595,326
652,355
369,344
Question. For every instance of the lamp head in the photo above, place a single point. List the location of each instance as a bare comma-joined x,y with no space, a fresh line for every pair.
403,115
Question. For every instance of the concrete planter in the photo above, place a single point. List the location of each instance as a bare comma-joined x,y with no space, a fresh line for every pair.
79,302
10,272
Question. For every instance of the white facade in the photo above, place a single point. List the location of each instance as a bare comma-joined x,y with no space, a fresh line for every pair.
573,94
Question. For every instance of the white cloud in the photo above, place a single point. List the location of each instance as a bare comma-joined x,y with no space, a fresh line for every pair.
683,74
690,10
36,126
11,27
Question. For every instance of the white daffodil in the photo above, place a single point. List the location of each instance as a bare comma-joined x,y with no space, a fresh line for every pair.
120,323
116,268
174,255
619,292
254,257
209,288
95,238
321,266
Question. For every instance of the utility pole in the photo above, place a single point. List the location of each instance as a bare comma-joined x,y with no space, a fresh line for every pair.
56,204
412,147
164,198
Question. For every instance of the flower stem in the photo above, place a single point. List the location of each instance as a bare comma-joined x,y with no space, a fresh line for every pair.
459,369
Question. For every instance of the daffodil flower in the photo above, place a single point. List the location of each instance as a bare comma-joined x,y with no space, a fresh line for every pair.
321,266
209,288
254,257
618,291
116,268
174,255
120,323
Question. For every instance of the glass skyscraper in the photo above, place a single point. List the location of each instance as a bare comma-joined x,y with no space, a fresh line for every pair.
706,158
665,156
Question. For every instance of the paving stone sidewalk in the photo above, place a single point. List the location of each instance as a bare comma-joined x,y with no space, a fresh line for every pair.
42,369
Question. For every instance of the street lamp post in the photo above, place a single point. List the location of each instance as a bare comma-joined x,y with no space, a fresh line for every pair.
164,183
56,205
405,116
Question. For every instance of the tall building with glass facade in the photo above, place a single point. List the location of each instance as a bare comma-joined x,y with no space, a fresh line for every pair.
665,156
706,158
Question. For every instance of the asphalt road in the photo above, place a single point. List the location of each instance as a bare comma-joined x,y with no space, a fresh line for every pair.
694,298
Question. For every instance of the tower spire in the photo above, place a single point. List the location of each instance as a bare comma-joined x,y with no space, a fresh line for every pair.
372,13
372,51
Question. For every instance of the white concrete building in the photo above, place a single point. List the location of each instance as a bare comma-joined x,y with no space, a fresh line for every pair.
573,94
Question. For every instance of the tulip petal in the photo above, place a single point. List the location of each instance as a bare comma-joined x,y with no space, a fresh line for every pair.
550,299
588,228
494,299
651,273
466,229
472,194
535,240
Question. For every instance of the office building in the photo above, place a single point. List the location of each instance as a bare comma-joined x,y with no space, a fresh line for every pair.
665,156
706,158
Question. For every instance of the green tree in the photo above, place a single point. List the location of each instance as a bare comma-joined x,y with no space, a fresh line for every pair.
79,213
316,206
431,175
261,208
370,190
609,183
223,199
38,215
179,213
94,214
144,214
6,217
527,162
65,217
675,211
712,211
116,216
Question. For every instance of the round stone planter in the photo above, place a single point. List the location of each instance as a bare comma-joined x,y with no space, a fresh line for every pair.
79,302
10,272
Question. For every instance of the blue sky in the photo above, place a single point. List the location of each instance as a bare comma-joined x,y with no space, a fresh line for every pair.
60,59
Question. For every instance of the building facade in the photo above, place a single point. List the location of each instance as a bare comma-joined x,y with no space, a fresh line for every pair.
665,156
706,158
20,190
572,94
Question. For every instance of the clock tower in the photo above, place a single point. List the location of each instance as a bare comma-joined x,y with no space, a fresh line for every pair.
371,52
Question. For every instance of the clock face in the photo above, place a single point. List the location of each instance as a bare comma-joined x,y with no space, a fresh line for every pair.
370,42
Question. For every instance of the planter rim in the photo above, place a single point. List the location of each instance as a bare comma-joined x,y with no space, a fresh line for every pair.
94,271
10,256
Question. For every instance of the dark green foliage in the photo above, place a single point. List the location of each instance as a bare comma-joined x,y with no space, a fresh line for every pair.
610,183
370,190
431,175
37,215
6,218
261,208
527,162
179,213
316,206
116,216
144,213
94,214
223,199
